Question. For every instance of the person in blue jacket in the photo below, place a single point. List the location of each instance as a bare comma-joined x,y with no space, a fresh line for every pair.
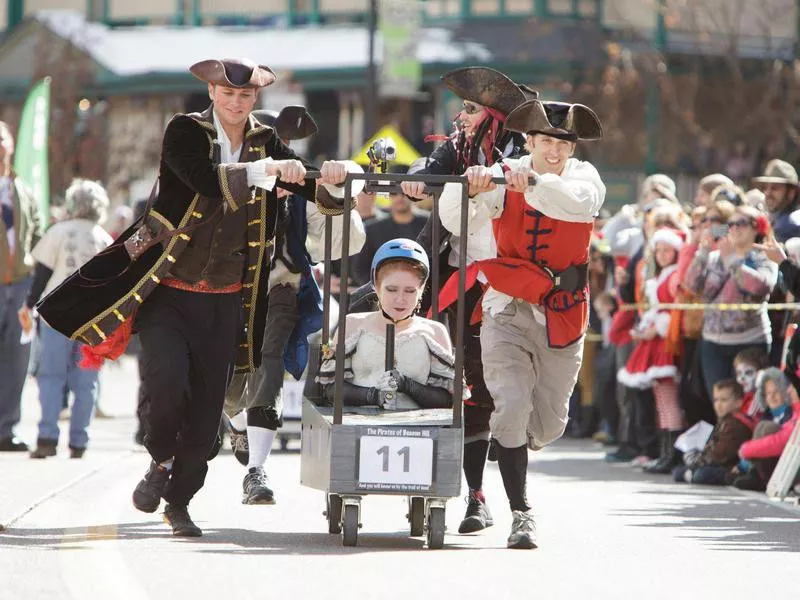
253,401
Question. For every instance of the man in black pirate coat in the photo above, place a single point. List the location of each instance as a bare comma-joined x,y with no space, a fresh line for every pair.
187,275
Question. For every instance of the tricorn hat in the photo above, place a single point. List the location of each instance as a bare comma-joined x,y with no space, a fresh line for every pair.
233,72
778,171
556,119
487,87
292,123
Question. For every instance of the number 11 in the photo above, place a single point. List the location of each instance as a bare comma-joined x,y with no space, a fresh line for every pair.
405,452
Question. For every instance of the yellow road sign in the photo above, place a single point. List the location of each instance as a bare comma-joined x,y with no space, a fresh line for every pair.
405,151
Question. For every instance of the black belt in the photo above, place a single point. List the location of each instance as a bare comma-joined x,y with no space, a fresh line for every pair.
571,279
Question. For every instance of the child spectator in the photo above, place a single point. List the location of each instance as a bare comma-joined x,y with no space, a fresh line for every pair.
650,364
747,364
772,433
712,466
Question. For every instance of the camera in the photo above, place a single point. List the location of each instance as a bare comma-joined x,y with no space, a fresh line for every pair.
382,151
719,230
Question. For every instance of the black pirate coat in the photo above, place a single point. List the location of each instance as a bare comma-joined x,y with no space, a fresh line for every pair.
104,293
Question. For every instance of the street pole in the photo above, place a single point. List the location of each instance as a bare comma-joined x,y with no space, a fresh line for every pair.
371,96
653,105
15,11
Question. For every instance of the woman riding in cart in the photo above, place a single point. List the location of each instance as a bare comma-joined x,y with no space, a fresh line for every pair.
423,371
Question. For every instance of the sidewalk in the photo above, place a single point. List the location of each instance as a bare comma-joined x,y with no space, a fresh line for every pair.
23,488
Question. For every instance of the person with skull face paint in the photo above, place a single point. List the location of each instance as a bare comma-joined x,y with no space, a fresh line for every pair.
746,366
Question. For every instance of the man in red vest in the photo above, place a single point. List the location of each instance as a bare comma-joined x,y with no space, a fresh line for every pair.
535,308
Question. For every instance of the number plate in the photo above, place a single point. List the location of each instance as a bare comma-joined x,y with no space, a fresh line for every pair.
393,461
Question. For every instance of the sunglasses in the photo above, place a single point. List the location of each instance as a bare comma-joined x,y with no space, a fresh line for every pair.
471,108
739,223
717,220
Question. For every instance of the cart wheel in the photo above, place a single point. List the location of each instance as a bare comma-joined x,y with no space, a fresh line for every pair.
284,443
334,513
350,529
416,514
436,527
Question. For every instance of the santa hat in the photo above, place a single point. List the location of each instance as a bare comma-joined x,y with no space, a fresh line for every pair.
667,235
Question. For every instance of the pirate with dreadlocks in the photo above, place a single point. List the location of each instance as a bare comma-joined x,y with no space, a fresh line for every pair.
479,138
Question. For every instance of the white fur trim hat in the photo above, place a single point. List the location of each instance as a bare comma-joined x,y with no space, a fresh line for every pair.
668,236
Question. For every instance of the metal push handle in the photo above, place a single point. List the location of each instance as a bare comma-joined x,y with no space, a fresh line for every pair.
394,180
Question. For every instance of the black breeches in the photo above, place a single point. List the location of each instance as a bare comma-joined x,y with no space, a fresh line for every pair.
188,342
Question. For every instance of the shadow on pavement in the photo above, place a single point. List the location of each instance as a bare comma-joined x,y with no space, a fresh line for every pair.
223,541
722,518
717,519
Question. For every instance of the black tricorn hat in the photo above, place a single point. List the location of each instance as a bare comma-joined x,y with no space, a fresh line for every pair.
292,123
487,87
233,72
295,123
557,119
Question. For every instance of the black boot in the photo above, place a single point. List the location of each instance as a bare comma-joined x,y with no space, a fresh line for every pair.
669,458
587,424
750,481
44,448
177,517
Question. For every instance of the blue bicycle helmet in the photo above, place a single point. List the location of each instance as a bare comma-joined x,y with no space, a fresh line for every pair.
400,248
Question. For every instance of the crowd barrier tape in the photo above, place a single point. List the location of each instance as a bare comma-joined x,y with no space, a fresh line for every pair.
721,306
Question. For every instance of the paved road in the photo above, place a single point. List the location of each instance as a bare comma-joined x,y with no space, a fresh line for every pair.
606,531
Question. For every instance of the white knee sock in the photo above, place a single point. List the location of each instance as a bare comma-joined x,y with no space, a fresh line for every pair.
239,420
259,440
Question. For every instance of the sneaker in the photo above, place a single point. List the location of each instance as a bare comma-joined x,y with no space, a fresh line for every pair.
477,516
492,455
177,517
76,452
241,449
255,487
147,495
523,531
622,455
643,461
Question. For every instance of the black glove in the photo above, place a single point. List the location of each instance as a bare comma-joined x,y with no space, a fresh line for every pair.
353,395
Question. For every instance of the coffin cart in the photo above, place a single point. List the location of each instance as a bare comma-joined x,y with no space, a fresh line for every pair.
352,452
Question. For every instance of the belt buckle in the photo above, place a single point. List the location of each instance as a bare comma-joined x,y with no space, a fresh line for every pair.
556,279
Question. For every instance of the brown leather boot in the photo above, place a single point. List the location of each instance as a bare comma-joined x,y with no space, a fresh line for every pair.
44,448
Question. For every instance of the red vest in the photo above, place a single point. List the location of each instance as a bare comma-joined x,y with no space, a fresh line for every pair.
526,239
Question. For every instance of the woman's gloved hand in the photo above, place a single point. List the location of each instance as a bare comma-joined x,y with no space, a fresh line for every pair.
393,380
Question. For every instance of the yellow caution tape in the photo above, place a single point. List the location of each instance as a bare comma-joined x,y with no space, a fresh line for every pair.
689,306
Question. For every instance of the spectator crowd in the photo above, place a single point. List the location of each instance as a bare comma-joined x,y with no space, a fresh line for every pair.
708,393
